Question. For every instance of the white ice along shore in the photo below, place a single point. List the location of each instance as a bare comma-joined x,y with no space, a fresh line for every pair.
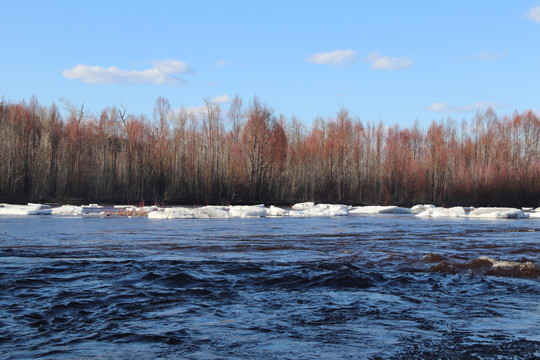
306,209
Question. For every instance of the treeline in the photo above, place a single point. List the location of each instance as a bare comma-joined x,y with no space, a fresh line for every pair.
251,155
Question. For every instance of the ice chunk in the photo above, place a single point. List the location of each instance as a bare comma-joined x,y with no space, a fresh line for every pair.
206,212
495,213
247,211
379,210
158,214
135,209
172,213
303,206
130,210
276,211
30,209
416,209
438,212
320,210
211,212
68,210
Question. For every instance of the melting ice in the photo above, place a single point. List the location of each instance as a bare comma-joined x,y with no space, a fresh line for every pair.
305,209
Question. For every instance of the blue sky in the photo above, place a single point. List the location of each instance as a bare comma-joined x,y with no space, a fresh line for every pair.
393,61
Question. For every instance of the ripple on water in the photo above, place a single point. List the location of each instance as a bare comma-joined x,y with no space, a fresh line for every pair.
345,288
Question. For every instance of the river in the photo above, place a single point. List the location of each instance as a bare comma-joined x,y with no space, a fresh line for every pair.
356,287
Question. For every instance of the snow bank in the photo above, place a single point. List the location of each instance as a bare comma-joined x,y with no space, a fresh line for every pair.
379,210
439,212
497,213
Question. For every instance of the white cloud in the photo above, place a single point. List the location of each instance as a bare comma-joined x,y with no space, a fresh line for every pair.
221,99
445,108
221,63
163,72
201,109
534,14
379,62
333,58
487,56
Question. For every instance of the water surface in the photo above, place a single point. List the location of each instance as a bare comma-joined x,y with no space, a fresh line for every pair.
378,286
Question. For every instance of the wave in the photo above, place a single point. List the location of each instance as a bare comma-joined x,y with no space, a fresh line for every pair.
484,265
330,276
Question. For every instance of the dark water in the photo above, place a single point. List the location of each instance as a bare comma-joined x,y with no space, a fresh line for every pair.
346,287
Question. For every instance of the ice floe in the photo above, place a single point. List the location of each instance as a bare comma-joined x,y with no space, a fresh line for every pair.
276,211
416,209
206,212
304,206
305,209
30,209
495,213
379,210
318,210
66,210
172,213
247,211
439,212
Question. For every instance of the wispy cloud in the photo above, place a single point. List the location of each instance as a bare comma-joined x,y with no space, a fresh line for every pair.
489,56
379,62
221,99
534,14
221,63
445,108
164,72
482,56
333,58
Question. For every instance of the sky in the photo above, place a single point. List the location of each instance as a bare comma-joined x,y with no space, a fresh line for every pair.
390,61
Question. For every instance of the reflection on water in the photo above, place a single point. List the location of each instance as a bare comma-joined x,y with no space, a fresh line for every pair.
357,287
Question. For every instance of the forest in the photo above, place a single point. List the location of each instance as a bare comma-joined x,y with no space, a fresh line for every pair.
250,154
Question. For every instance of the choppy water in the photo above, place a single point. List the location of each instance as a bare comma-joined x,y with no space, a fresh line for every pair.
347,287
